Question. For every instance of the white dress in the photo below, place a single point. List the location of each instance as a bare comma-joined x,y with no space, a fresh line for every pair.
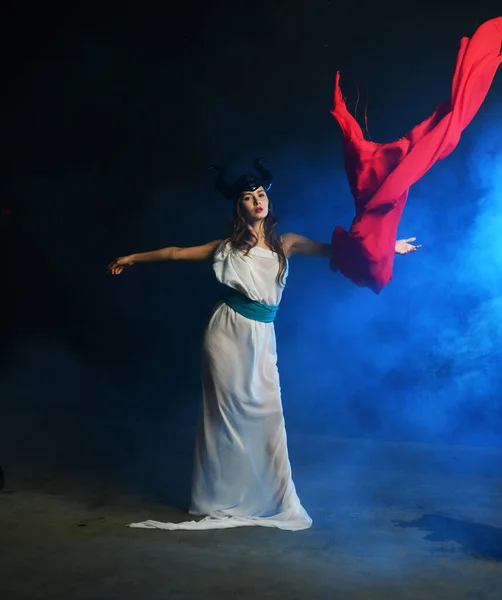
242,474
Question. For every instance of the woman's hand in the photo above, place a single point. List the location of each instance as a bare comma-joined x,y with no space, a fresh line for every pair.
119,264
405,246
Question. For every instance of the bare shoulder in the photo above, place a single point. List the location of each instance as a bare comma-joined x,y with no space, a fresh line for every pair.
291,237
293,243
288,241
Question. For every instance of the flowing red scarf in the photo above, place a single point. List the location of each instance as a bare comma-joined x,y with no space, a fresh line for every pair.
380,175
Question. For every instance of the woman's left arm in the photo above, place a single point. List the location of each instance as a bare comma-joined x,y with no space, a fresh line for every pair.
298,244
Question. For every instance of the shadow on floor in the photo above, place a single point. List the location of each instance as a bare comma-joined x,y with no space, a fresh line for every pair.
478,541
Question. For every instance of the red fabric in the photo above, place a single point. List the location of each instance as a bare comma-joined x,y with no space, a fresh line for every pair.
380,175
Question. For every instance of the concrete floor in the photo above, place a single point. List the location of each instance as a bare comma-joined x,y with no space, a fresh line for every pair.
391,521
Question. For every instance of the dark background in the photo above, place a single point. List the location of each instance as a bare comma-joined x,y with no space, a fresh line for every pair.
110,118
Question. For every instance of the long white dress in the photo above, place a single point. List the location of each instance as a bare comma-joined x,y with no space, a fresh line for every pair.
242,474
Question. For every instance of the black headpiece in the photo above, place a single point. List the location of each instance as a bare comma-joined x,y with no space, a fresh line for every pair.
245,183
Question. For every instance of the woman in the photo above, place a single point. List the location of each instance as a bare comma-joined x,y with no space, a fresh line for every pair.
242,474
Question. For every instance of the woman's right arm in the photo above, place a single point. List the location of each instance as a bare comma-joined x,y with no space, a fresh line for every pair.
204,252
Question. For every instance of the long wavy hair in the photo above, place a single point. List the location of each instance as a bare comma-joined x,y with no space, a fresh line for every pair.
243,239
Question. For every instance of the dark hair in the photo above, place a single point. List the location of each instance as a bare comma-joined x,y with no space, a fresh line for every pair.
243,239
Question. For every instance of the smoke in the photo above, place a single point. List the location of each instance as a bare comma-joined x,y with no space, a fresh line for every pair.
420,361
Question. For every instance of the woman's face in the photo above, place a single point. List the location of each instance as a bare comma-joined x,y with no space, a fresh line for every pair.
254,205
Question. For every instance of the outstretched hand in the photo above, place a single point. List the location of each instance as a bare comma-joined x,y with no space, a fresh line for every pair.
119,264
405,246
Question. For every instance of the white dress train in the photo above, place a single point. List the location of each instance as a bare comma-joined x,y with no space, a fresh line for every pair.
242,474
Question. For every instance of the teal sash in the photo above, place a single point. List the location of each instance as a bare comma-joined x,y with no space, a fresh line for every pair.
251,309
